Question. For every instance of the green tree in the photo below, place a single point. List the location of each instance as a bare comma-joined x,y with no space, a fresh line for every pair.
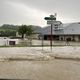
24,29
29,30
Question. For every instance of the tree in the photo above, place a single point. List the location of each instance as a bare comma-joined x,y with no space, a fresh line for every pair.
29,33
24,29
29,30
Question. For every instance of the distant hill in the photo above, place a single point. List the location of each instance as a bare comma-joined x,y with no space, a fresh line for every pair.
37,29
9,27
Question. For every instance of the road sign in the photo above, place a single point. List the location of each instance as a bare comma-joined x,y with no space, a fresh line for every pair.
50,18
57,22
53,22
49,22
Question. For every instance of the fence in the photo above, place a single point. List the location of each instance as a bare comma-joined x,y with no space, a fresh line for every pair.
55,43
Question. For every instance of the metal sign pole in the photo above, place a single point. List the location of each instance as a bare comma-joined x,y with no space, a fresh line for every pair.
42,42
51,38
50,21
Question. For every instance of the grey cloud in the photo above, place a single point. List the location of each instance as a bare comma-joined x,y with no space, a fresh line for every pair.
66,9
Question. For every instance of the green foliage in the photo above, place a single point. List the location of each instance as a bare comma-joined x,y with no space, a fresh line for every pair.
7,33
10,30
29,30
7,30
24,29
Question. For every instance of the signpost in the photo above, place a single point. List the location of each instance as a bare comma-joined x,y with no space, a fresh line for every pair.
50,18
50,21
53,22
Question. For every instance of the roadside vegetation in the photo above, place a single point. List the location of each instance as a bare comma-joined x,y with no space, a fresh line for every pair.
18,32
8,30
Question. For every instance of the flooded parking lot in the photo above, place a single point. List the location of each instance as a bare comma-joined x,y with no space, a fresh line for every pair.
41,70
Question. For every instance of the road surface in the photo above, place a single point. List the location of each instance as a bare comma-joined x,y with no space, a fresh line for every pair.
40,70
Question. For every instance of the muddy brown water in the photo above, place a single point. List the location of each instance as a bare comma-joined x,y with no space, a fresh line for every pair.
40,70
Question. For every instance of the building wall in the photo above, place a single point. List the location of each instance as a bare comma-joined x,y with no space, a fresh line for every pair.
72,38
63,37
76,38
5,41
35,36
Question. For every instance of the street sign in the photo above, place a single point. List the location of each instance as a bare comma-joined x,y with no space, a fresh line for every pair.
57,22
50,18
49,22
53,22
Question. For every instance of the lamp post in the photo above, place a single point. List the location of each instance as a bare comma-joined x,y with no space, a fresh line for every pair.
50,21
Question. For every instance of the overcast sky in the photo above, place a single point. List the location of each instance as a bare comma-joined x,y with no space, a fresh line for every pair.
34,11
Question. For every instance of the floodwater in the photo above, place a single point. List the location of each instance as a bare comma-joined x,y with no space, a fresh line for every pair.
41,70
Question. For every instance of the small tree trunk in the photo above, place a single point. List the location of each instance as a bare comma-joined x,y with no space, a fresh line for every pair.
22,36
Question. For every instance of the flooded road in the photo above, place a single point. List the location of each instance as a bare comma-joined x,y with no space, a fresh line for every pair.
41,70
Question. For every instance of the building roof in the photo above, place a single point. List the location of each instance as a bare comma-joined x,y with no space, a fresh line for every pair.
63,29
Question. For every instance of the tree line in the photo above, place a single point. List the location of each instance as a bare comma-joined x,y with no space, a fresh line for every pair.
10,30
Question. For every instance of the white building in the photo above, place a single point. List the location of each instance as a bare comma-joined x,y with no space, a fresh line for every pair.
4,41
